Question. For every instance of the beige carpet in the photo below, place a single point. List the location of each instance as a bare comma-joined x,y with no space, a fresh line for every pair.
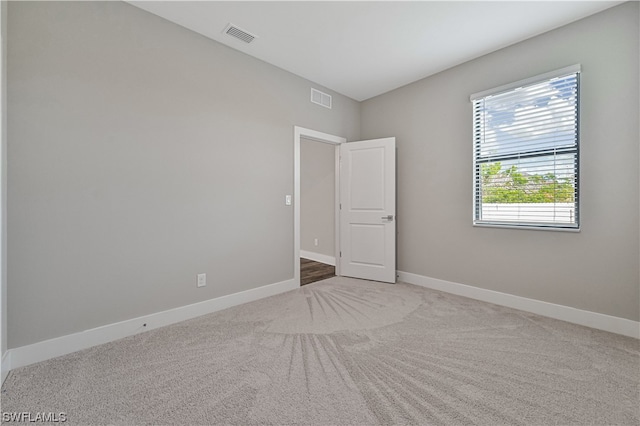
345,351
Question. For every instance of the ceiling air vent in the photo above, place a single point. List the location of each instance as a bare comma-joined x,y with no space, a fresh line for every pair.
239,33
320,98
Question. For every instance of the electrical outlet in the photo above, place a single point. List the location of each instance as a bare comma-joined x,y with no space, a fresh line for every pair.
315,242
202,280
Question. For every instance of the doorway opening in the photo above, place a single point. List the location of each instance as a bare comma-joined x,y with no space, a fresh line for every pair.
318,230
317,210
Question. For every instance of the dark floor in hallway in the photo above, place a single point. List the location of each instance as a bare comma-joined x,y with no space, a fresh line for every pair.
312,271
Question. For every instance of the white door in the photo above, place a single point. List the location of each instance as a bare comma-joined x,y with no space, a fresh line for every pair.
368,209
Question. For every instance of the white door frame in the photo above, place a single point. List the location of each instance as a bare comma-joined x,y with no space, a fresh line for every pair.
298,134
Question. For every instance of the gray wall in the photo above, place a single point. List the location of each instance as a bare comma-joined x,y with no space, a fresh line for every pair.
317,197
596,269
3,182
141,154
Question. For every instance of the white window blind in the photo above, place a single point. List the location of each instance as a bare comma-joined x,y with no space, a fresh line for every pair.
526,152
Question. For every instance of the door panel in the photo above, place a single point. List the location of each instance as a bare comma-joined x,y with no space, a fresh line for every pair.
368,208
367,244
366,168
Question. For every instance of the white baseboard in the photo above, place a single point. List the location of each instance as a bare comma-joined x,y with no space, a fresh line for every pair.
41,351
317,257
565,313
5,366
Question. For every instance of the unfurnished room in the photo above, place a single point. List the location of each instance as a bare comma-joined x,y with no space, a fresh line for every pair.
320,212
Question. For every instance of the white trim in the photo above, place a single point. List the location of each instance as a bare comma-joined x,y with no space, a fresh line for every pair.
41,351
526,227
565,313
5,366
536,79
298,134
318,257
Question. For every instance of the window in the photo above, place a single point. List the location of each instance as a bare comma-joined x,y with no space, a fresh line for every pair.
526,152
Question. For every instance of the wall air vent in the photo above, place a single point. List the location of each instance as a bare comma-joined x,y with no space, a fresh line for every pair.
320,98
239,33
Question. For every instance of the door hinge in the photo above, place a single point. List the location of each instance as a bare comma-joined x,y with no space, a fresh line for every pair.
340,254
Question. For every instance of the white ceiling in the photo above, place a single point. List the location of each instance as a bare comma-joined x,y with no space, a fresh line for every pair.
365,48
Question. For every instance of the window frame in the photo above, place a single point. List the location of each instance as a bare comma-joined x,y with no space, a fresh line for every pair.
477,201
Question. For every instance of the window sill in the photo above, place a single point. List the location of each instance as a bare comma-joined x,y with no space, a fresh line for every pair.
526,227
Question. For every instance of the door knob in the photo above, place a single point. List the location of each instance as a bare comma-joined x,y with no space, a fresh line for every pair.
389,217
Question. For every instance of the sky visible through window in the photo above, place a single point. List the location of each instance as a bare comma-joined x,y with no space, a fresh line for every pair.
539,118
